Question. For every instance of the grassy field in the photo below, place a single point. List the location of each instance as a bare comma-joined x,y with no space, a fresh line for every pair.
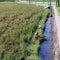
7,0
31,0
18,23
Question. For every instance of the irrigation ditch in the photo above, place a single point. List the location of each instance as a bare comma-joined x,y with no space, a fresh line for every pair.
45,51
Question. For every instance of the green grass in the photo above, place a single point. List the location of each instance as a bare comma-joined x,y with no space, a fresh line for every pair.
32,0
7,0
44,0
33,50
35,44
58,9
18,23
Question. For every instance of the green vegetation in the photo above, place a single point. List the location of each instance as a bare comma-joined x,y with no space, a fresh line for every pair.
7,0
18,23
35,44
30,0
44,0
58,8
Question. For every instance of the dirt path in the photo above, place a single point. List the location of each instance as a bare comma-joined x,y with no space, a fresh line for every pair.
56,34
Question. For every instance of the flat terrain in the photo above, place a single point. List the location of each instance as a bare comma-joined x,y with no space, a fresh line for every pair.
31,0
18,23
56,33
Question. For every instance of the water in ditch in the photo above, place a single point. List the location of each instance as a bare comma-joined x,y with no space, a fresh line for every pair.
46,47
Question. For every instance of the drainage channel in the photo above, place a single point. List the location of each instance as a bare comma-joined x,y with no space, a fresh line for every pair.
46,47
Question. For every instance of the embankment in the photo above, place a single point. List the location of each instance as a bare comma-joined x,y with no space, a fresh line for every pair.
56,34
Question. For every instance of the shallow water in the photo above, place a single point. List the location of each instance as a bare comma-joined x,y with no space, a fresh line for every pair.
46,47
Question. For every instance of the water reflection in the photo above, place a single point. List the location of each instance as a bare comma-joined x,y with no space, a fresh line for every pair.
46,47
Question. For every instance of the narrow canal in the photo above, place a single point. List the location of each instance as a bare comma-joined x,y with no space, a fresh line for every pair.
46,47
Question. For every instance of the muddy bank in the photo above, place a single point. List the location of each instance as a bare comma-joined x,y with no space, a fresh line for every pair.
55,45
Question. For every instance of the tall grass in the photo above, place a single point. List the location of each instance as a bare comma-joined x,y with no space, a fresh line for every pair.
18,22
